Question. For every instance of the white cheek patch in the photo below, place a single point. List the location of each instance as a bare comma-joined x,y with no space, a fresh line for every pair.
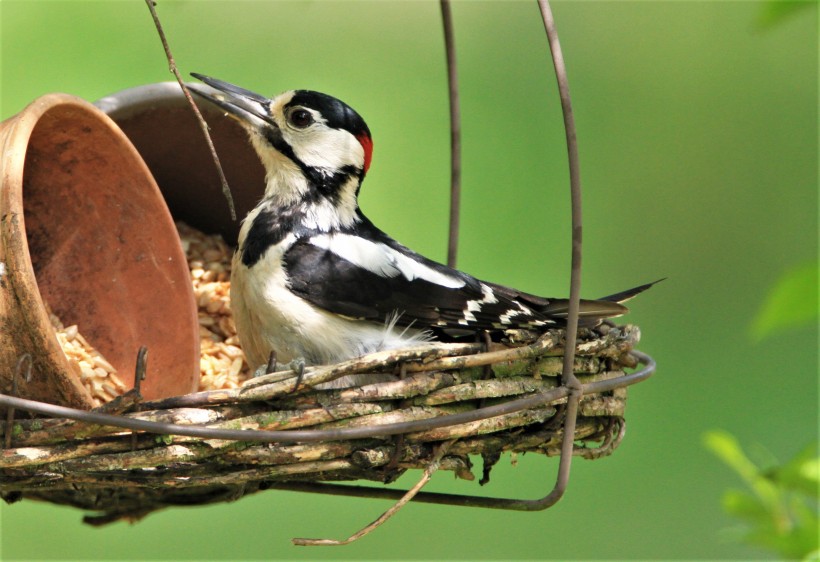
317,146
382,260
324,147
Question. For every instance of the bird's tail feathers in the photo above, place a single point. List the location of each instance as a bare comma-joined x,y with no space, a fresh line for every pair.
624,296
591,312
593,309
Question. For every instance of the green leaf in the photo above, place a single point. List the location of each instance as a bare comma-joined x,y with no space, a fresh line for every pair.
745,506
781,513
776,11
724,445
802,473
792,302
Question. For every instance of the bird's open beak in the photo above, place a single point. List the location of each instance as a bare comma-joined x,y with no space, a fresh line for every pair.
248,107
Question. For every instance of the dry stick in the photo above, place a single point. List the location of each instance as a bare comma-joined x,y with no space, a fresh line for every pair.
411,493
455,133
340,414
172,66
279,384
139,376
14,382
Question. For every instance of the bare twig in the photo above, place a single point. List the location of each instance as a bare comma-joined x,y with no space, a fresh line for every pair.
172,66
15,381
140,368
409,495
139,376
455,133
280,383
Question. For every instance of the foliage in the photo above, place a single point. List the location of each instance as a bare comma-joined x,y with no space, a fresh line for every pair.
791,302
776,11
781,509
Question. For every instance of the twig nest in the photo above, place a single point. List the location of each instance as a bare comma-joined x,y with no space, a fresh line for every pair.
119,474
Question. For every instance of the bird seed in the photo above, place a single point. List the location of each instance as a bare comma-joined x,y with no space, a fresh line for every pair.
222,362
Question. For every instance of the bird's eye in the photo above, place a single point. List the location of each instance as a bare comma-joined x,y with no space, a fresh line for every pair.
300,118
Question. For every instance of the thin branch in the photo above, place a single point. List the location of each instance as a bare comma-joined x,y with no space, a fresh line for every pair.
411,493
455,133
324,408
172,66
15,381
425,352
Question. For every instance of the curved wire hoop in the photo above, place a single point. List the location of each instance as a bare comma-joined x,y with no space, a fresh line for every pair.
571,389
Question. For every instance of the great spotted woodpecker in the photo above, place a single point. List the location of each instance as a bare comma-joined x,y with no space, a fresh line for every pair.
314,279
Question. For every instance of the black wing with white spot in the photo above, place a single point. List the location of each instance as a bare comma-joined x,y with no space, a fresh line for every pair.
365,274
339,285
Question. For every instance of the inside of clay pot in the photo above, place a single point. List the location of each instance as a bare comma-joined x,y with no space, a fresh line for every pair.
105,251
158,121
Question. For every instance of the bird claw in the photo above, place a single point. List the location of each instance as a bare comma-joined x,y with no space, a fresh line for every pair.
297,366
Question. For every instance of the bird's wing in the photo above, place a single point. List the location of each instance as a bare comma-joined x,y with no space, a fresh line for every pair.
374,278
363,278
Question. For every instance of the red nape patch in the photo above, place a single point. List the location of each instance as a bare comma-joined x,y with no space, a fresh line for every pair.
367,145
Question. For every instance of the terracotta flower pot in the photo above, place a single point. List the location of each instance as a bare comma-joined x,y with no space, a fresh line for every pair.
159,122
84,228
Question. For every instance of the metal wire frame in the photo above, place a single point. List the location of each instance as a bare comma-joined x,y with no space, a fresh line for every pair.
455,132
571,388
567,376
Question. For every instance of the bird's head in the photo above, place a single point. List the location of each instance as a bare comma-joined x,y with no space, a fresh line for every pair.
312,145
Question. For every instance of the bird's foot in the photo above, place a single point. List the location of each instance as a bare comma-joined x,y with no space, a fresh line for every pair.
296,366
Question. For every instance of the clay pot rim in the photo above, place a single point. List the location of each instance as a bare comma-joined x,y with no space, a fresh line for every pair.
12,168
134,101
15,138
19,130
140,110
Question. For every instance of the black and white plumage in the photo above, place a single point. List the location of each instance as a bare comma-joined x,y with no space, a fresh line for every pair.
314,279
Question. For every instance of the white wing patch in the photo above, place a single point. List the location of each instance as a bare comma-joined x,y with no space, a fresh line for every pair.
381,259
487,297
506,318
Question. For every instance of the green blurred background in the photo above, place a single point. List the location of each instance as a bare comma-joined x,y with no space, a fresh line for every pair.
699,144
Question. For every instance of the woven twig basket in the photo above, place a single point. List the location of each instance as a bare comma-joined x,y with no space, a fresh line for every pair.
123,474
